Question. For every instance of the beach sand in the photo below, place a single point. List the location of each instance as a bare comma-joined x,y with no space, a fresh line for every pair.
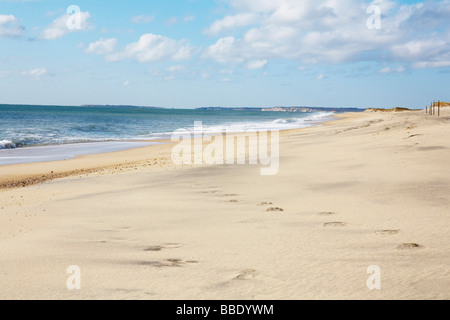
370,189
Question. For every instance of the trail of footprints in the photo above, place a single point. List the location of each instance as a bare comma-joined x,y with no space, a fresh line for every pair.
247,274
171,262
250,273
386,232
269,207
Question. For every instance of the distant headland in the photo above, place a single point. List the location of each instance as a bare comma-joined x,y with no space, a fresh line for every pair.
116,106
286,109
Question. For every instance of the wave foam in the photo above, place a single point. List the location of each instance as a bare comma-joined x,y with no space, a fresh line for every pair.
279,124
270,125
6,144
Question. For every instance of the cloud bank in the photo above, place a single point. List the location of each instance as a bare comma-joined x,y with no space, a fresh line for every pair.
9,27
332,32
310,32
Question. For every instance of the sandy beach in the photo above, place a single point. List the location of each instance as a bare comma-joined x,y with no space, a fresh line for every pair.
368,189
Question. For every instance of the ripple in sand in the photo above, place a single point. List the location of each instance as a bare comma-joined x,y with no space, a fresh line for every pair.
386,232
334,224
246,275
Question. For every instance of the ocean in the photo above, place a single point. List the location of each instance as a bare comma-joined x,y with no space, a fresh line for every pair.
62,128
25,126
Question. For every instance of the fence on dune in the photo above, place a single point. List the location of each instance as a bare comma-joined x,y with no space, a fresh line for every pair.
435,108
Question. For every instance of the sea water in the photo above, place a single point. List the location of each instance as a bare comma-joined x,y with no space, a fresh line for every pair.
101,129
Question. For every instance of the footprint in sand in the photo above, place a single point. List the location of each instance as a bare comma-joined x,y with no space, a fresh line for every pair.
409,246
166,263
265,204
233,201
246,275
327,213
334,224
153,248
162,247
274,209
386,232
161,264
211,191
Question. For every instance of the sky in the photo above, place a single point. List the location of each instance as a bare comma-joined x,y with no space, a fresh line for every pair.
229,53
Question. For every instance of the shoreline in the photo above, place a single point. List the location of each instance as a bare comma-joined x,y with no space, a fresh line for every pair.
61,152
26,174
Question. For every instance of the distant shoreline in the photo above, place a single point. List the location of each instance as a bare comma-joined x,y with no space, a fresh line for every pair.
275,108
293,109
304,109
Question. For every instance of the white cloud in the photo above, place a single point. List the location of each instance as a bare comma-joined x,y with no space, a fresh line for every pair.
4,19
332,32
256,64
5,73
225,50
176,68
9,27
188,18
387,70
232,22
320,77
102,46
142,19
433,52
226,71
432,64
61,26
152,47
35,73
126,83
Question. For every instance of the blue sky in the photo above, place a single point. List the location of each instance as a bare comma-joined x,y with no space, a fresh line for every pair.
194,53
